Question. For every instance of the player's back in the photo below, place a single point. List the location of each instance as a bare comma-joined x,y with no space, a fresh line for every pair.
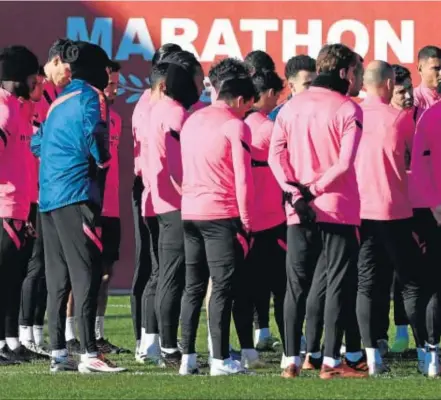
208,189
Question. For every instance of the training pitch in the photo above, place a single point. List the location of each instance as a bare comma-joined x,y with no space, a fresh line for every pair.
34,381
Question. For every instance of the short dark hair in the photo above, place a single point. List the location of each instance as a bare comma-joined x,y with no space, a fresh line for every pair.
165,50
158,74
260,61
238,86
334,57
226,68
401,74
114,66
429,52
299,63
184,59
266,80
58,47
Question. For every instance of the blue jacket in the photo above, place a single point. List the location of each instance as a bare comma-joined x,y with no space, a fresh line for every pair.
273,114
73,147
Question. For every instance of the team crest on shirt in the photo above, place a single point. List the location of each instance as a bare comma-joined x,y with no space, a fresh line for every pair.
17,224
98,232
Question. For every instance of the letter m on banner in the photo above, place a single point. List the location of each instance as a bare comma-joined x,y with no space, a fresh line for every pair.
100,34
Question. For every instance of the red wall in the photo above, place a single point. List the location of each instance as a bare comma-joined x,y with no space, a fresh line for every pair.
219,28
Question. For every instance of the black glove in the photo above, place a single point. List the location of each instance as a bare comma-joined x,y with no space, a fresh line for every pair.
304,191
304,211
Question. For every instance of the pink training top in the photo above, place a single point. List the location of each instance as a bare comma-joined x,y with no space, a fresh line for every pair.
164,166
143,136
425,182
268,197
26,132
50,93
318,131
380,162
111,190
425,97
216,161
136,123
14,173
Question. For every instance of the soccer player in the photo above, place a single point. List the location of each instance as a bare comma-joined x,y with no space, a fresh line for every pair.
315,303
258,61
184,85
386,241
55,74
300,71
18,77
429,67
267,257
72,146
217,206
33,288
312,155
142,244
425,196
111,224
149,349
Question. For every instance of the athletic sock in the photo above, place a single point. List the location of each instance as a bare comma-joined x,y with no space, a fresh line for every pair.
70,328
421,352
373,356
402,332
26,334
293,360
13,343
38,335
99,327
316,355
331,362
261,334
169,351
354,357
59,353
2,344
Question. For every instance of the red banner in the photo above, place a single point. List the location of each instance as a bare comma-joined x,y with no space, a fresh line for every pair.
130,32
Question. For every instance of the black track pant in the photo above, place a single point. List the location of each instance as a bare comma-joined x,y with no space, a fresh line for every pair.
171,280
73,260
222,245
267,263
12,234
387,246
429,237
336,246
33,292
150,320
143,263
315,312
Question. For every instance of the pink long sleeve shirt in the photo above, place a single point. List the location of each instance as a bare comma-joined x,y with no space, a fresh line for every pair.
111,190
425,97
136,123
26,132
268,208
216,161
318,133
15,196
380,162
143,137
164,165
425,182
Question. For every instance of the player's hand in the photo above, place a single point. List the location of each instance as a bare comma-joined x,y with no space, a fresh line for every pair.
305,191
304,211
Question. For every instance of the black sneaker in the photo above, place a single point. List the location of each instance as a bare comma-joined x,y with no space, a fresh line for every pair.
73,347
4,362
172,360
35,353
105,347
20,354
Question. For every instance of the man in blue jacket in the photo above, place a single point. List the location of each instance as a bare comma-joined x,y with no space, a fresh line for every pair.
72,145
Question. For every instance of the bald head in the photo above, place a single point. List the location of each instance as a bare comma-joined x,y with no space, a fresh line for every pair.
377,74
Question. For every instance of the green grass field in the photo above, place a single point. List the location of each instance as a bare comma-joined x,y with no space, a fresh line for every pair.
34,381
